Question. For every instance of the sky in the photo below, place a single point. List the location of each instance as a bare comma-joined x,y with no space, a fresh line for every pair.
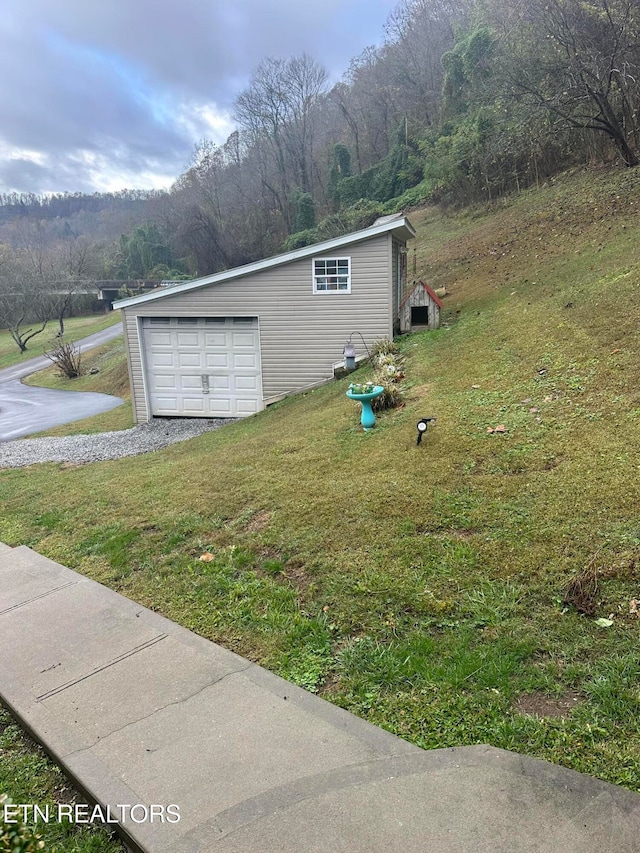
102,95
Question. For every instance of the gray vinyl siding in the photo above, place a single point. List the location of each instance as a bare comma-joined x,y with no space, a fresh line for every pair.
395,278
136,370
302,334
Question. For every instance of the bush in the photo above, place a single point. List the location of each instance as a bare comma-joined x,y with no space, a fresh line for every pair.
388,371
360,215
66,357
300,239
390,398
384,347
16,837
417,196
390,177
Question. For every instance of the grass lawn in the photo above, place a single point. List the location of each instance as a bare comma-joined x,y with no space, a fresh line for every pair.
75,328
31,778
431,590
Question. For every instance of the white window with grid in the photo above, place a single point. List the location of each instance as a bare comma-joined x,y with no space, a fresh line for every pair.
332,275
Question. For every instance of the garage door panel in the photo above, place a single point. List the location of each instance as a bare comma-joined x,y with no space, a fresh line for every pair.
166,380
190,359
183,350
244,360
243,339
221,407
159,339
246,383
215,339
188,339
218,360
166,405
220,383
193,405
191,383
162,359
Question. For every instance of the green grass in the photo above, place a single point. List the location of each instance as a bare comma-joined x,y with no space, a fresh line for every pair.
31,778
75,328
420,587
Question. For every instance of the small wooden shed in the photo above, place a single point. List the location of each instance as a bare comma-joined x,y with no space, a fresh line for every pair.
420,309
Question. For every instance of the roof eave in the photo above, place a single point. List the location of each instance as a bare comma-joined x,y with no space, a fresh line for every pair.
401,228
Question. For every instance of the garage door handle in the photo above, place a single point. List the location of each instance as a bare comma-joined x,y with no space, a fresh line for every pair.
205,383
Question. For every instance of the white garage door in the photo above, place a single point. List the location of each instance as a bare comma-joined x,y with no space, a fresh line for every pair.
203,367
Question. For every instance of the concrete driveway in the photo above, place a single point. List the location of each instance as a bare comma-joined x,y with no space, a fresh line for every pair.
25,409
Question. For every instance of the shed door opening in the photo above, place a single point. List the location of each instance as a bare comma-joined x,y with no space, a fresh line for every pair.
203,367
420,315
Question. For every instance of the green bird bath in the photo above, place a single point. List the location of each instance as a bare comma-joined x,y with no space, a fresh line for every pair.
367,418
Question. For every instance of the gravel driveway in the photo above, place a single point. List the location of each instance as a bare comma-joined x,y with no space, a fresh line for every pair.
143,438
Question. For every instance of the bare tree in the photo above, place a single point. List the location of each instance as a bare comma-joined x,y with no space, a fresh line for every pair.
418,34
306,83
580,60
24,308
276,113
368,102
56,261
73,262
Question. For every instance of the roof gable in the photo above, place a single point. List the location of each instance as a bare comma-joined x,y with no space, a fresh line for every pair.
428,289
397,224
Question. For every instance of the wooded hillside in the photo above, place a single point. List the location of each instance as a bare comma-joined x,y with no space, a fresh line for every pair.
462,102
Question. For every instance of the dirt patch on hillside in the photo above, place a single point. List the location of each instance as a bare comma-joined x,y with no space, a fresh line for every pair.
258,522
539,705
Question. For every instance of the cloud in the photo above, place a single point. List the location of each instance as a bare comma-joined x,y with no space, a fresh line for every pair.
102,92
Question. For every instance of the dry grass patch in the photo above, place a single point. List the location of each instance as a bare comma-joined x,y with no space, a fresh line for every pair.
539,705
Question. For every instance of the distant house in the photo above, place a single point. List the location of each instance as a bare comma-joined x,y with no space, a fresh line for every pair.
228,344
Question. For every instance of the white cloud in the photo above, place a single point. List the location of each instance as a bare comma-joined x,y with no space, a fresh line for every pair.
107,95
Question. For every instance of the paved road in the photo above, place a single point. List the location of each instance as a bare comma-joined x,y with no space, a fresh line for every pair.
32,365
25,409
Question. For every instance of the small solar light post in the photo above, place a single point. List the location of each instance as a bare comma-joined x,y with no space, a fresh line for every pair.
422,425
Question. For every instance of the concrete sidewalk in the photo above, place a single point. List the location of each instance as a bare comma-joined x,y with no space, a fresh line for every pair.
141,711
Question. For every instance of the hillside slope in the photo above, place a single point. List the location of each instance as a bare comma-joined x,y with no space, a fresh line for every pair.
479,588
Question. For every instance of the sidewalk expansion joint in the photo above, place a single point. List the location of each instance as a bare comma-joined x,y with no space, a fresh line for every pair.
283,797
158,710
37,597
74,681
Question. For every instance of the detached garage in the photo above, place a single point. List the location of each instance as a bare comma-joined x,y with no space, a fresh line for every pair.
229,344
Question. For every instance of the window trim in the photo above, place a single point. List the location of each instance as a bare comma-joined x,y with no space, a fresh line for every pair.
316,275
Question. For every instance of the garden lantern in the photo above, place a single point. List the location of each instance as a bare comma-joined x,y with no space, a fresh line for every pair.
349,353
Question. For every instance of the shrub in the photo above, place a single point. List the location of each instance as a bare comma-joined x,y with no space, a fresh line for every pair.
384,347
16,837
66,357
390,398
300,239
388,371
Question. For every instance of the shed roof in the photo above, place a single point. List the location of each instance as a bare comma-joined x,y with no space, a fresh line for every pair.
429,290
398,224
